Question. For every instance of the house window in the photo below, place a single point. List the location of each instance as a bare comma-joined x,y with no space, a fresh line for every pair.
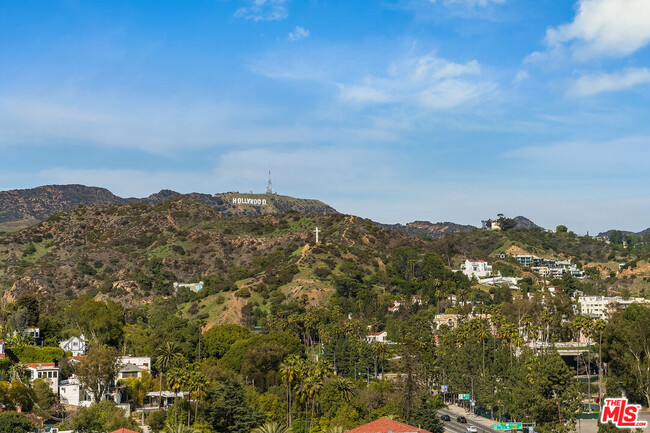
54,374
39,375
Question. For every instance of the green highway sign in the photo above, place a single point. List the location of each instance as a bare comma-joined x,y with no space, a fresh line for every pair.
463,396
507,426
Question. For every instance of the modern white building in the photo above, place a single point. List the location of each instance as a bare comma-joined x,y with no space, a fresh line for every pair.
476,268
512,282
47,371
3,349
599,306
77,345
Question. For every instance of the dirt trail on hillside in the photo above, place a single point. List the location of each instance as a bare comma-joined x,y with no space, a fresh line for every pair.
303,254
350,219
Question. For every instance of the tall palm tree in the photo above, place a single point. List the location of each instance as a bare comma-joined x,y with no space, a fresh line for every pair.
313,386
168,356
289,374
175,381
271,427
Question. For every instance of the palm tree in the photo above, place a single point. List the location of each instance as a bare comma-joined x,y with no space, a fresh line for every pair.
168,356
345,387
175,381
178,428
271,427
289,374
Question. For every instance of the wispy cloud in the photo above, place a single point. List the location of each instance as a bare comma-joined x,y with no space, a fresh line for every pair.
610,28
433,82
264,10
159,126
589,85
298,33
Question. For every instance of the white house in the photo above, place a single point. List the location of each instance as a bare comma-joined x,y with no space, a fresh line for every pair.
476,268
512,282
133,366
47,371
599,306
144,362
73,393
377,337
77,345
450,320
35,333
3,349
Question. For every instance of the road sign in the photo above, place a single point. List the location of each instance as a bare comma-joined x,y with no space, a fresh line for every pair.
463,396
507,426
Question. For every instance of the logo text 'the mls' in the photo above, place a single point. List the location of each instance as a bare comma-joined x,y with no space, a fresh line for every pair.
622,414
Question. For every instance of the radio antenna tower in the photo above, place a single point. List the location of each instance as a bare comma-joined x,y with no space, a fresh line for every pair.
269,186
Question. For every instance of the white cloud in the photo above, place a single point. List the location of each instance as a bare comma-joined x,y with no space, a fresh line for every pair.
264,10
434,82
578,157
159,126
521,76
298,33
603,28
589,85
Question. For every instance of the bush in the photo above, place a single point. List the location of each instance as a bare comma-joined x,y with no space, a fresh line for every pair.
14,422
243,293
27,354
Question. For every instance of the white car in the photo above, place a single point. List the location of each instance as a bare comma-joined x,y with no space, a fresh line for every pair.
472,429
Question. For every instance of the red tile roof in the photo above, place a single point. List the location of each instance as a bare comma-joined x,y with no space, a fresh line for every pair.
384,425
2,355
41,364
124,430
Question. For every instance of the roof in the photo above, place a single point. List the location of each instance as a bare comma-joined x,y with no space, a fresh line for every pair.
36,365
476,261
124,430
384,425
128,368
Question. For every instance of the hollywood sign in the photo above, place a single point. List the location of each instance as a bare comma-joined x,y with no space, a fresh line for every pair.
255,201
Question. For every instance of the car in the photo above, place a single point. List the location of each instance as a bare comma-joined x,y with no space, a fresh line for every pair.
472,429
461,419
445,417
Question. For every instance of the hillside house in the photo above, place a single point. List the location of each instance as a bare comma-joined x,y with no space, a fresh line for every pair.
71,392
599,306
35,333
476,268
3,349
377,337
47,371
450,320
77,345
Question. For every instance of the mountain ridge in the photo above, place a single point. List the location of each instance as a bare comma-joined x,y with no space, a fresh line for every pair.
43,201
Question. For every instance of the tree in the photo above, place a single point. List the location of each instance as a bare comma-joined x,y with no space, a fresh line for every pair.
271,427
426,415
102,417
11,422
228,411
168,356
561,229
218,339
102,320
626,348
97,369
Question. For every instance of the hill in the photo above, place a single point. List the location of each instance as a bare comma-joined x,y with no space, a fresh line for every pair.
29,205
134,252
429,229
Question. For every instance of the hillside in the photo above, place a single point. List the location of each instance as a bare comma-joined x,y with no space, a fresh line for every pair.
24,206
429,229
134,252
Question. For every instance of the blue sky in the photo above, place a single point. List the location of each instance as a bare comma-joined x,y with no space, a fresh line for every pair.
396,110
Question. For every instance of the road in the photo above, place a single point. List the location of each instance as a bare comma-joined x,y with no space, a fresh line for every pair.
454,426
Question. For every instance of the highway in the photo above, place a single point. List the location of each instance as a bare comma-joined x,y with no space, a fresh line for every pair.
454,426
